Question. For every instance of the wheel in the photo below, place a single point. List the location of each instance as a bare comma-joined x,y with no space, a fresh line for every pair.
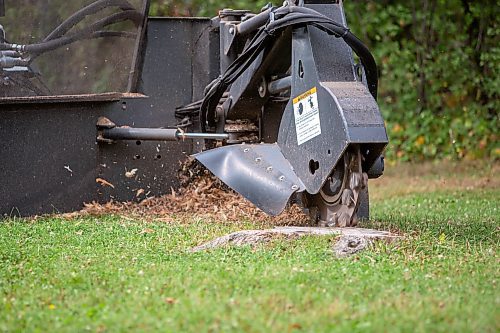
343,199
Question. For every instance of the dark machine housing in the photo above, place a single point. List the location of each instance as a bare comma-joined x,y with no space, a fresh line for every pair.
280,105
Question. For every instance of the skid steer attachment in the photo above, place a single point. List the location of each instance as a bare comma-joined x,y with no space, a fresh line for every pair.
274,104
330,130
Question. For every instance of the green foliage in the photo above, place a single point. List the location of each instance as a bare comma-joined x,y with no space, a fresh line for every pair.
440,64
439,70
209,8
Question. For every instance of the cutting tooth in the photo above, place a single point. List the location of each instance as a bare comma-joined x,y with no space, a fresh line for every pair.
344,220
355,181
347,197
354,221
333,220
364,180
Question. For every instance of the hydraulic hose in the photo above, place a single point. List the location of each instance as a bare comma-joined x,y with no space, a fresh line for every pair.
53,44
279,19
91,9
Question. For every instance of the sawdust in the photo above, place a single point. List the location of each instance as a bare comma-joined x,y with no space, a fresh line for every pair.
202,195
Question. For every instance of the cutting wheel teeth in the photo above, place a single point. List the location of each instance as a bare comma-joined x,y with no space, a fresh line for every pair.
365,180
347,197
356,180
344,220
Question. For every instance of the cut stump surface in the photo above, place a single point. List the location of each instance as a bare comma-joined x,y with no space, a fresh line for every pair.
351,240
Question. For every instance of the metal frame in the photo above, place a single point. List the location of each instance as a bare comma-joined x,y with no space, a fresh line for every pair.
62,151
50,158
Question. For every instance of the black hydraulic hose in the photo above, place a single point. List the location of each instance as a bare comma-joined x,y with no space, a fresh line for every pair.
106,33
310,16
9,62
61,41
244,61
367,60
254,23
91,9
14,54
284,17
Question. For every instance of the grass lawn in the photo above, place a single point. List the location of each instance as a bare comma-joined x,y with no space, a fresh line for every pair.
114,274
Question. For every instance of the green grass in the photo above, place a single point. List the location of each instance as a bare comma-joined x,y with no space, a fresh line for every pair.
111,274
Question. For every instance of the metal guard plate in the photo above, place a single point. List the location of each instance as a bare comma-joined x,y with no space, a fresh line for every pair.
259,172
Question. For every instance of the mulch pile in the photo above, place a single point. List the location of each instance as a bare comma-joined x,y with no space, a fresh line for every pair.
201,195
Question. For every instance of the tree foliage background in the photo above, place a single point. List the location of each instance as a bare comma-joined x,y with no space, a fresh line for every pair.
439,64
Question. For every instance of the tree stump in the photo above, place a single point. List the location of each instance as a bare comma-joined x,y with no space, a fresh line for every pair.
351,240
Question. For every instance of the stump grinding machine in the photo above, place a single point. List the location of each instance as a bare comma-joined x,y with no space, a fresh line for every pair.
280,105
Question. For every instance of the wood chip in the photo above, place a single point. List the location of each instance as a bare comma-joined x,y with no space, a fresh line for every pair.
104,182
202,195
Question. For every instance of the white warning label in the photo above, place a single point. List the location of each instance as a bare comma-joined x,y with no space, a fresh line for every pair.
306,111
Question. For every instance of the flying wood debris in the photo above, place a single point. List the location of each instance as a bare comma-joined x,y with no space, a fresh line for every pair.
104,182
201,195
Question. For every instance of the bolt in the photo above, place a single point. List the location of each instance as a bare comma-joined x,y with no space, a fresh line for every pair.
281,178
269,169
295,187
246,150
258,159
231,30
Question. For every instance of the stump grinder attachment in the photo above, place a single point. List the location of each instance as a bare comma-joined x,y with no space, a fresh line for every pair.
280,105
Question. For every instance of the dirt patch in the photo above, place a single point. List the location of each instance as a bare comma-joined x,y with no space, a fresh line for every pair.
406,178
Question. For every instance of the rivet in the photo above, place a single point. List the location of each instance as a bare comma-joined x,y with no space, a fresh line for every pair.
295,187
258,159
281,178
246,150
269,169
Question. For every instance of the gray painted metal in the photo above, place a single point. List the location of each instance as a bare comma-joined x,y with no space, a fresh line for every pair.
348,112
279,85
259,172
157,134
49,156
327,148
53,159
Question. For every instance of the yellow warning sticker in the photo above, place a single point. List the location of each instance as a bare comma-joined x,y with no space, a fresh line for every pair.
304,95
306,112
